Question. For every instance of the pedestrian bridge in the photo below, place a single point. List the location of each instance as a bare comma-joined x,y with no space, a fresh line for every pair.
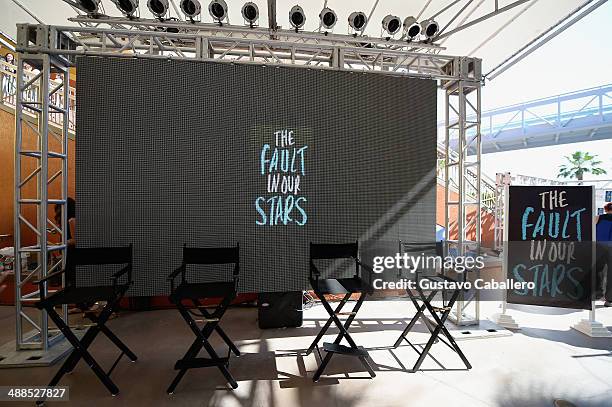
575,117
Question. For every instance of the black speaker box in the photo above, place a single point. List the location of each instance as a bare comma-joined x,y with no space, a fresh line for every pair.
280,310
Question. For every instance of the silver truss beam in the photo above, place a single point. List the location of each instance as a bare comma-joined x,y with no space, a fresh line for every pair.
463,101
315,51
502,180
240,31
37,94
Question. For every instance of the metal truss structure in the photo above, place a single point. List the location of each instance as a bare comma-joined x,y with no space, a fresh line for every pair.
38,94
238,44
502,180
463,100
52,50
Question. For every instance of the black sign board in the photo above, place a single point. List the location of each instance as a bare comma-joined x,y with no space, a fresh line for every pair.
549,245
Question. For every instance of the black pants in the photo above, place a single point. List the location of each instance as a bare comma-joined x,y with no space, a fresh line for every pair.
603,267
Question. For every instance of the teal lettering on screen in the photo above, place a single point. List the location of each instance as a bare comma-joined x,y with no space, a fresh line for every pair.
282,161
552,231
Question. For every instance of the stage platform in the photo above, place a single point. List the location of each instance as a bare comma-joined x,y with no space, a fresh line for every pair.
545,360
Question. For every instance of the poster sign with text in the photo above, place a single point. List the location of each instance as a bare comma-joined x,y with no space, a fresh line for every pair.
550,243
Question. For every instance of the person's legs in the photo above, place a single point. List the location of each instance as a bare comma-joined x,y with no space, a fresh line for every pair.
607,273
600,272
608,291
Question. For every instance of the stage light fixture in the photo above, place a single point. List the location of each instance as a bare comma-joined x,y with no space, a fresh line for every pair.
191,8
218,10
411,28
158,8
430,28
391,24
89,6
357,21
297,18
250,12
328,18
127,7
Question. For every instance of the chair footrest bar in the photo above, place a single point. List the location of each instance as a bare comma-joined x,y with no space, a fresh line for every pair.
346,313
199,362
115,364
345,350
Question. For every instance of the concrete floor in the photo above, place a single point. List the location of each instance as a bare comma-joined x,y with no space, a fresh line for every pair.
544,361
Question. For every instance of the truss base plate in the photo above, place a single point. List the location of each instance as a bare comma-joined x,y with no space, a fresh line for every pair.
11,358
483,330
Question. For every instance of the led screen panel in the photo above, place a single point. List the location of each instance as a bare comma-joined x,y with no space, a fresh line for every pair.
207,154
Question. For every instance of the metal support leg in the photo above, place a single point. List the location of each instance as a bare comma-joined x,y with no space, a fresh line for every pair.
353,349
328,324
81,346
438,328
233,348
189,360
440,320
420,308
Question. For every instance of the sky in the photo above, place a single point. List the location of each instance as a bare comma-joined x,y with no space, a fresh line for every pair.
579,58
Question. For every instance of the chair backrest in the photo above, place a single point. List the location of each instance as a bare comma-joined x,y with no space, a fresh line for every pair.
212,255
422,248
92,256
429,248
87,256
332,251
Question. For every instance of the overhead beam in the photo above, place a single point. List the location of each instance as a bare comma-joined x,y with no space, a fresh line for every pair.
465,18
503,27
370,16
466,5
176,9
562,25
21,6
481,19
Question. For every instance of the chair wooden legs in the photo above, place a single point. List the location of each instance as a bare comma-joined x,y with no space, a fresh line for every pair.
335,347
190,359
436,327
81,346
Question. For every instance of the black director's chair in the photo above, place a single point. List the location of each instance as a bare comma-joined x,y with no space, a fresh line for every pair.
197,293
422,300
336,286
72,294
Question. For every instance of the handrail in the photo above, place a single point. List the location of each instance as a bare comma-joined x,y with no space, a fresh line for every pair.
520,179
576,94
8,95
488,191
550,113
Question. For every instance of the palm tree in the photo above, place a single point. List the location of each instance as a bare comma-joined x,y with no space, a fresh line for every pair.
579,164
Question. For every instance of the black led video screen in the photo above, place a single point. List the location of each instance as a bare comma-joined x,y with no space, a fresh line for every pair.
210,154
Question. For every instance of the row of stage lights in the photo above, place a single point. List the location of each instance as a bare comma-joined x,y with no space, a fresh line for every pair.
250,12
